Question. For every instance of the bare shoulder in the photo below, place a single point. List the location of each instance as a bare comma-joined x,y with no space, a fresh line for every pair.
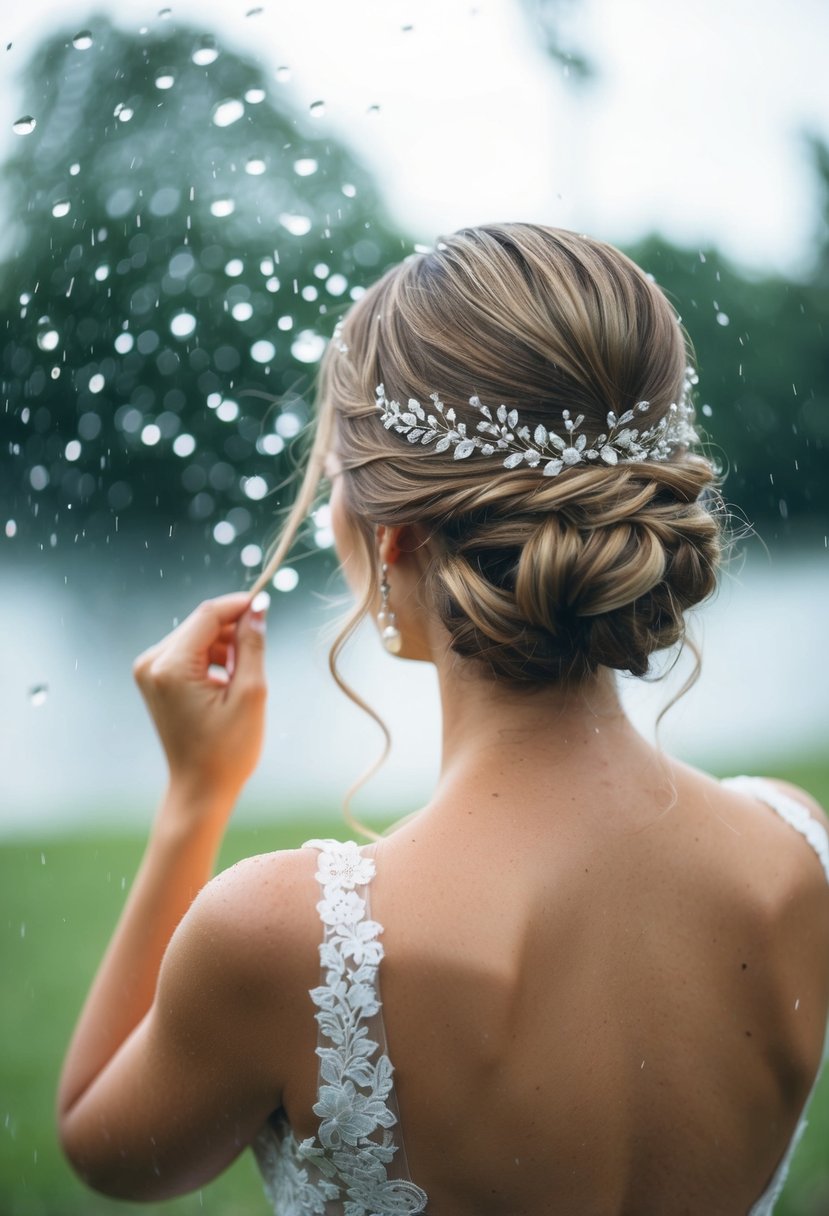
258,917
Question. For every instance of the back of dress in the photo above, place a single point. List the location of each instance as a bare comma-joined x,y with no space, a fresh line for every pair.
552,1053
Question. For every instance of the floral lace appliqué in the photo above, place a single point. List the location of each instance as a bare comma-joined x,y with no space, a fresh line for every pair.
346,1167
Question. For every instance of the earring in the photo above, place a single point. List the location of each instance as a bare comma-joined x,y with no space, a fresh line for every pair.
386,619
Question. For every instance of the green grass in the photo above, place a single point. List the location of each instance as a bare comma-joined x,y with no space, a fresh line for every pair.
61,899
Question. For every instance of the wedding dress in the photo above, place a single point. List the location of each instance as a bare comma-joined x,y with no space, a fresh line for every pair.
356,1164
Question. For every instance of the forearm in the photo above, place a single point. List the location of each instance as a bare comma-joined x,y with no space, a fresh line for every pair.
177,862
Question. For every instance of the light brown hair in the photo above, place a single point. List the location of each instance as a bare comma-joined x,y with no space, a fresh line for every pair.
537,579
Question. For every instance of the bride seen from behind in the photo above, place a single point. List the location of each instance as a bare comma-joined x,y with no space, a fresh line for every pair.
605,974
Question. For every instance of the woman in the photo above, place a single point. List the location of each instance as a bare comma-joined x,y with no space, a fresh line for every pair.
605,974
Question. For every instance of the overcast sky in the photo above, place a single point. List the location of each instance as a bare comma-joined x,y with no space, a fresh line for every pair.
691,126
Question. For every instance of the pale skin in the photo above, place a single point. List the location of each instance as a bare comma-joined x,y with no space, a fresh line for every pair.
583,936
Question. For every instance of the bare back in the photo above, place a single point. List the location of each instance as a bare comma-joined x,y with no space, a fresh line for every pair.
620,1013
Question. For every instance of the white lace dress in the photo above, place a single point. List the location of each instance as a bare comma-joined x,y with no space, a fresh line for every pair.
356,1164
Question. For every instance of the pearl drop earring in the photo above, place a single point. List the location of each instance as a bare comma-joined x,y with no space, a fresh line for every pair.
386,619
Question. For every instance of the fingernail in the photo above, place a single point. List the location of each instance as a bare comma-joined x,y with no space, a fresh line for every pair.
259,606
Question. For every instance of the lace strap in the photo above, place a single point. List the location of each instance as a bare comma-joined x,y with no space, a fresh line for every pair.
788,808
356,1102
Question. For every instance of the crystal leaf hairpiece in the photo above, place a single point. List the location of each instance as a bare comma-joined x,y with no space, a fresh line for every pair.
505,435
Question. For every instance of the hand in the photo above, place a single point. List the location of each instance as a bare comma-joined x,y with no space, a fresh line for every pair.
211,728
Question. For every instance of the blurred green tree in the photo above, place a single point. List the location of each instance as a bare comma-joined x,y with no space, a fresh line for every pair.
178,233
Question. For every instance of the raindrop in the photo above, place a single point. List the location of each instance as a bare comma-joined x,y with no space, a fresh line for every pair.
224,533
123,113
723,319
308,346
228,411
184,444
75,169
124,343
26,297
251,555
206,52
101,273
309,292
323,538
273,284
234,267
11,528
265,266
262,351
348,190
24,125
183,325
288,424
706,409
165,201
61,208
38,694
255,96
214,400
83,40
337,284
270,445
96,383
165,79
317,109
48,339
242,311
55,373
283,74
285,323
321,270
297,225
72,450
150,434
39,477
222,207
255,166
306,166
228,111
255,487
285,579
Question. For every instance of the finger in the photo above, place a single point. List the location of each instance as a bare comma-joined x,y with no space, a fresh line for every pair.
218,653
249,653
205,623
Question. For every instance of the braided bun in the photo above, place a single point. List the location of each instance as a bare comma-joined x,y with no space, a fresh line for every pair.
600,572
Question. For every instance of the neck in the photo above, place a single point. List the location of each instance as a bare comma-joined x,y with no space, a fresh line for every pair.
500,736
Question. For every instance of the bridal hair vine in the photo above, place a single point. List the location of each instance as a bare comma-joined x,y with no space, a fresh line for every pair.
504,434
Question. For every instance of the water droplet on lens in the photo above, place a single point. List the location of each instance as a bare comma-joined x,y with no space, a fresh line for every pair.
706,409
183,325
285,579
723,319
222,207
206,52
262,351
283,74
228,111
308,346
317,109
48,339
75,169
165,79
11,528
255,166
38,693
306,166
61,208
82,40
24,125
348,190
297,225
255,96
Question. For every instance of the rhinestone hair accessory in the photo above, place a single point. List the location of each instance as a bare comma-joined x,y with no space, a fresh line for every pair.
504,434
